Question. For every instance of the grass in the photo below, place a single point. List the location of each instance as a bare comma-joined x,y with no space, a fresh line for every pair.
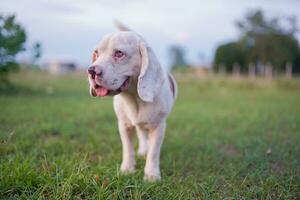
226,139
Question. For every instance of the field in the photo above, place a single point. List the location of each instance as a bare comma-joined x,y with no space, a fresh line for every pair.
226,139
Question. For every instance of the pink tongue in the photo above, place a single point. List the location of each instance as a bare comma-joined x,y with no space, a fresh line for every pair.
101,91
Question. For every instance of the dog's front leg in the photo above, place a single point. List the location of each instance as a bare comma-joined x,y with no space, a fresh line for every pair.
156,136
128,162
143,143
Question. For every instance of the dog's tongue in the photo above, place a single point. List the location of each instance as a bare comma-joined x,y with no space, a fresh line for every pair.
101,91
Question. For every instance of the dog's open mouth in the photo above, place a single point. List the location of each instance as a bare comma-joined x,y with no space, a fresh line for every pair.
101,91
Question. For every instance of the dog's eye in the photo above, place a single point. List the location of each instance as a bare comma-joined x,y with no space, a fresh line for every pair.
119,54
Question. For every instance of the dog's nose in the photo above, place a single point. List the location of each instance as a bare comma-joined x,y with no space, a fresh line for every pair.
94,71
91,70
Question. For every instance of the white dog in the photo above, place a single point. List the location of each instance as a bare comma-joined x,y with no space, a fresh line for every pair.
124,66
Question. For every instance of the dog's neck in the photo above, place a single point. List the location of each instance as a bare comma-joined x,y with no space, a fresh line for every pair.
132,89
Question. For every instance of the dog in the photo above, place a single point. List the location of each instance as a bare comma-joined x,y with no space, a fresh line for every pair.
124,66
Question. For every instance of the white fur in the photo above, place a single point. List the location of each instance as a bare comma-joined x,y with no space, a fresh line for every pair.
146,104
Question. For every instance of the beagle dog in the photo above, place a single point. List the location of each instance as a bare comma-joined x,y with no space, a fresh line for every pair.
125,67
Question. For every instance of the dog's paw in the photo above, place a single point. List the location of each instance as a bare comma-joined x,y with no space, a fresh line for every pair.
127,168
152,178
152,175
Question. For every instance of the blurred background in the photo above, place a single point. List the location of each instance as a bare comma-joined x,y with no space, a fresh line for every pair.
234,131
227,36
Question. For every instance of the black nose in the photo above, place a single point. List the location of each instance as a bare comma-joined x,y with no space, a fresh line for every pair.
91,70
95,72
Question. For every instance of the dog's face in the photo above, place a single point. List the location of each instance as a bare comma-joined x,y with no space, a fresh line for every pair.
119,58
115,61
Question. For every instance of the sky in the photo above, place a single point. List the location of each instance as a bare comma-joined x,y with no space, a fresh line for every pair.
69,30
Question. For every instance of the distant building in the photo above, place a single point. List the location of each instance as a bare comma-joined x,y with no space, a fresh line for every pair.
60,67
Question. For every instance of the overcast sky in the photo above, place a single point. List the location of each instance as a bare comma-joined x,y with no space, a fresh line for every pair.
69,29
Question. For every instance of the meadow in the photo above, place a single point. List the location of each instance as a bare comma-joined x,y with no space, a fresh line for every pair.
226,139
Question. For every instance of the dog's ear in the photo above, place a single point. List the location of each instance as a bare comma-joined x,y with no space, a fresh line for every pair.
151,75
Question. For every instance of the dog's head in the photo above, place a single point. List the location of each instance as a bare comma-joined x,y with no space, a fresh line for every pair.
119,59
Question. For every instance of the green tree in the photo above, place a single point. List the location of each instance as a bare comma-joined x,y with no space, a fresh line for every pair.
229,54
275,49
262,40
12,39
296,67
267,41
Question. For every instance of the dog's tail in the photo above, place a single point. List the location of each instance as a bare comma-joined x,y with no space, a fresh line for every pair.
121,26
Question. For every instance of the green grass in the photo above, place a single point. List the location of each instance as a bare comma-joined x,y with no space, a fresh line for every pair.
226,139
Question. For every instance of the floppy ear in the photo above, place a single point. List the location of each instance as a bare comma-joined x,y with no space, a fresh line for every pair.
151,74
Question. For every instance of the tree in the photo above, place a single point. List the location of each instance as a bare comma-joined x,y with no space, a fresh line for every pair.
177,55
267,40
296,66
230,54
255,24
275,49
262,40
12,39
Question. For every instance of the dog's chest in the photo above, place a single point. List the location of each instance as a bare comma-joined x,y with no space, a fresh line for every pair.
136,111
139,112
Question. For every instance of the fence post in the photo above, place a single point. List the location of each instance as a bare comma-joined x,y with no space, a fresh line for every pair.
269,71
236,70
288,70
261,69
221,69
251,71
